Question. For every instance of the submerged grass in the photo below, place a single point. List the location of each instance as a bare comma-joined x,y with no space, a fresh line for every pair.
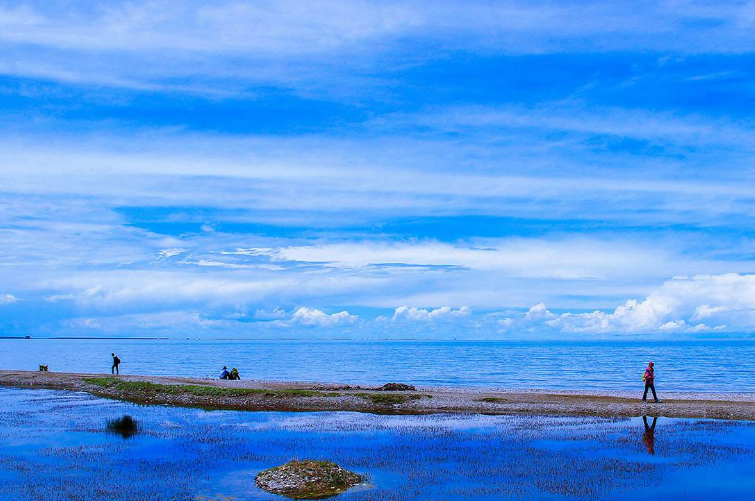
125,426
199,390
389,398
450,457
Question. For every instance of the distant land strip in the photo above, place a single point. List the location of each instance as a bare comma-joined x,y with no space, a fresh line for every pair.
289,396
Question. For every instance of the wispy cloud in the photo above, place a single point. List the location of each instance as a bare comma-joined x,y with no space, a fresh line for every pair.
253,166
194,46
358,177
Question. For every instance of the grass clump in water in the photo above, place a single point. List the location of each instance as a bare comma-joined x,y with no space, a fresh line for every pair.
491,400
307,479
388,398
125,426
144,387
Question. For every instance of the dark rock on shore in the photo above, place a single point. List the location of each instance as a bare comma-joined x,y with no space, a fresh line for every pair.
307,479
397,387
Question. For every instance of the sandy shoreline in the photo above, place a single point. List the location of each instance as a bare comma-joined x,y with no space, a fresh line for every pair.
282,396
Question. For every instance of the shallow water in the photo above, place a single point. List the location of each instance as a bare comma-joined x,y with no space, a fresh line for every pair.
54,446
569,365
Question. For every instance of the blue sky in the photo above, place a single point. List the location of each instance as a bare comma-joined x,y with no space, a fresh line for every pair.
395,169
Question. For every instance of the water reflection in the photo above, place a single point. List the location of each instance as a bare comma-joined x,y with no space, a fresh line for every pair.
648,438
53,447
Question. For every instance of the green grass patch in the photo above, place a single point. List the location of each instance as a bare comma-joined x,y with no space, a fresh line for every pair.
143,387
389,398
491,400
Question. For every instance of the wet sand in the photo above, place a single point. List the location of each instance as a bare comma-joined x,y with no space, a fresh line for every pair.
278,396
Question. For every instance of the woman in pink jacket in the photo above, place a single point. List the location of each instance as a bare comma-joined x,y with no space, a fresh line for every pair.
649,378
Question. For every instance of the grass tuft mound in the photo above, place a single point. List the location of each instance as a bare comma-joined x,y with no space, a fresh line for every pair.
307,479
125,426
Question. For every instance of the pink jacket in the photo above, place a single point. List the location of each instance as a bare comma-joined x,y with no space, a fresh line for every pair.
649,374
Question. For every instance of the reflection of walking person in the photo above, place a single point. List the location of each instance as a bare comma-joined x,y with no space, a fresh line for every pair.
116,363
649,378
649,436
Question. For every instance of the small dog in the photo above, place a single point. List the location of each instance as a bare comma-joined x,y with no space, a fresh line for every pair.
44,368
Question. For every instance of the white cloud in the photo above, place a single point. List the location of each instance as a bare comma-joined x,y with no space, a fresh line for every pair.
274,314
213,45
535,318
538,313
673,326
168,253
574,117
282,26
55,298
315,317
159,321
423,315
7,299
727,301
82,323
359,178
144,289
545,258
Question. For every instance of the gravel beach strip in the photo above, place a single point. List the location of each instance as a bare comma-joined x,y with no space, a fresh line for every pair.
290,396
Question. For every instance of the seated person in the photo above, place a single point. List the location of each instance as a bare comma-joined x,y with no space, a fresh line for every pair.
234,374
225,374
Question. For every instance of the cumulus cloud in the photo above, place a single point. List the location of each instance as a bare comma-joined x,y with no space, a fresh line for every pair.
726,302
7,299
538,312
423,315
673,325
315,317
536,317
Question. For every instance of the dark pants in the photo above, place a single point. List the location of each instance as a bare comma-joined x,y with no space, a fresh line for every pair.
651,386
114,370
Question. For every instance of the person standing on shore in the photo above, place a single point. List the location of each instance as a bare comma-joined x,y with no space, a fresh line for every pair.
116,363
649,378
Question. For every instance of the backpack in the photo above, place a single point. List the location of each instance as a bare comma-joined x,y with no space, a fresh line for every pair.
116,360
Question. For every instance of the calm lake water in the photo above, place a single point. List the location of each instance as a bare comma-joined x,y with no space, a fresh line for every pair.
54,446
727,366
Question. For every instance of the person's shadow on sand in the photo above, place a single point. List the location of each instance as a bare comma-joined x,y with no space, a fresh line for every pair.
648,437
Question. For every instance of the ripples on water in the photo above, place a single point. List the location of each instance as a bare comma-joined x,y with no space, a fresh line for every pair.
683,366
55,447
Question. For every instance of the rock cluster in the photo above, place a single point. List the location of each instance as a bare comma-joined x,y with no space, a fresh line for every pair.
397,387
307,479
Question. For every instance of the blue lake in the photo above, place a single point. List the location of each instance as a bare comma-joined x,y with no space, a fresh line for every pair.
54,446
727,366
